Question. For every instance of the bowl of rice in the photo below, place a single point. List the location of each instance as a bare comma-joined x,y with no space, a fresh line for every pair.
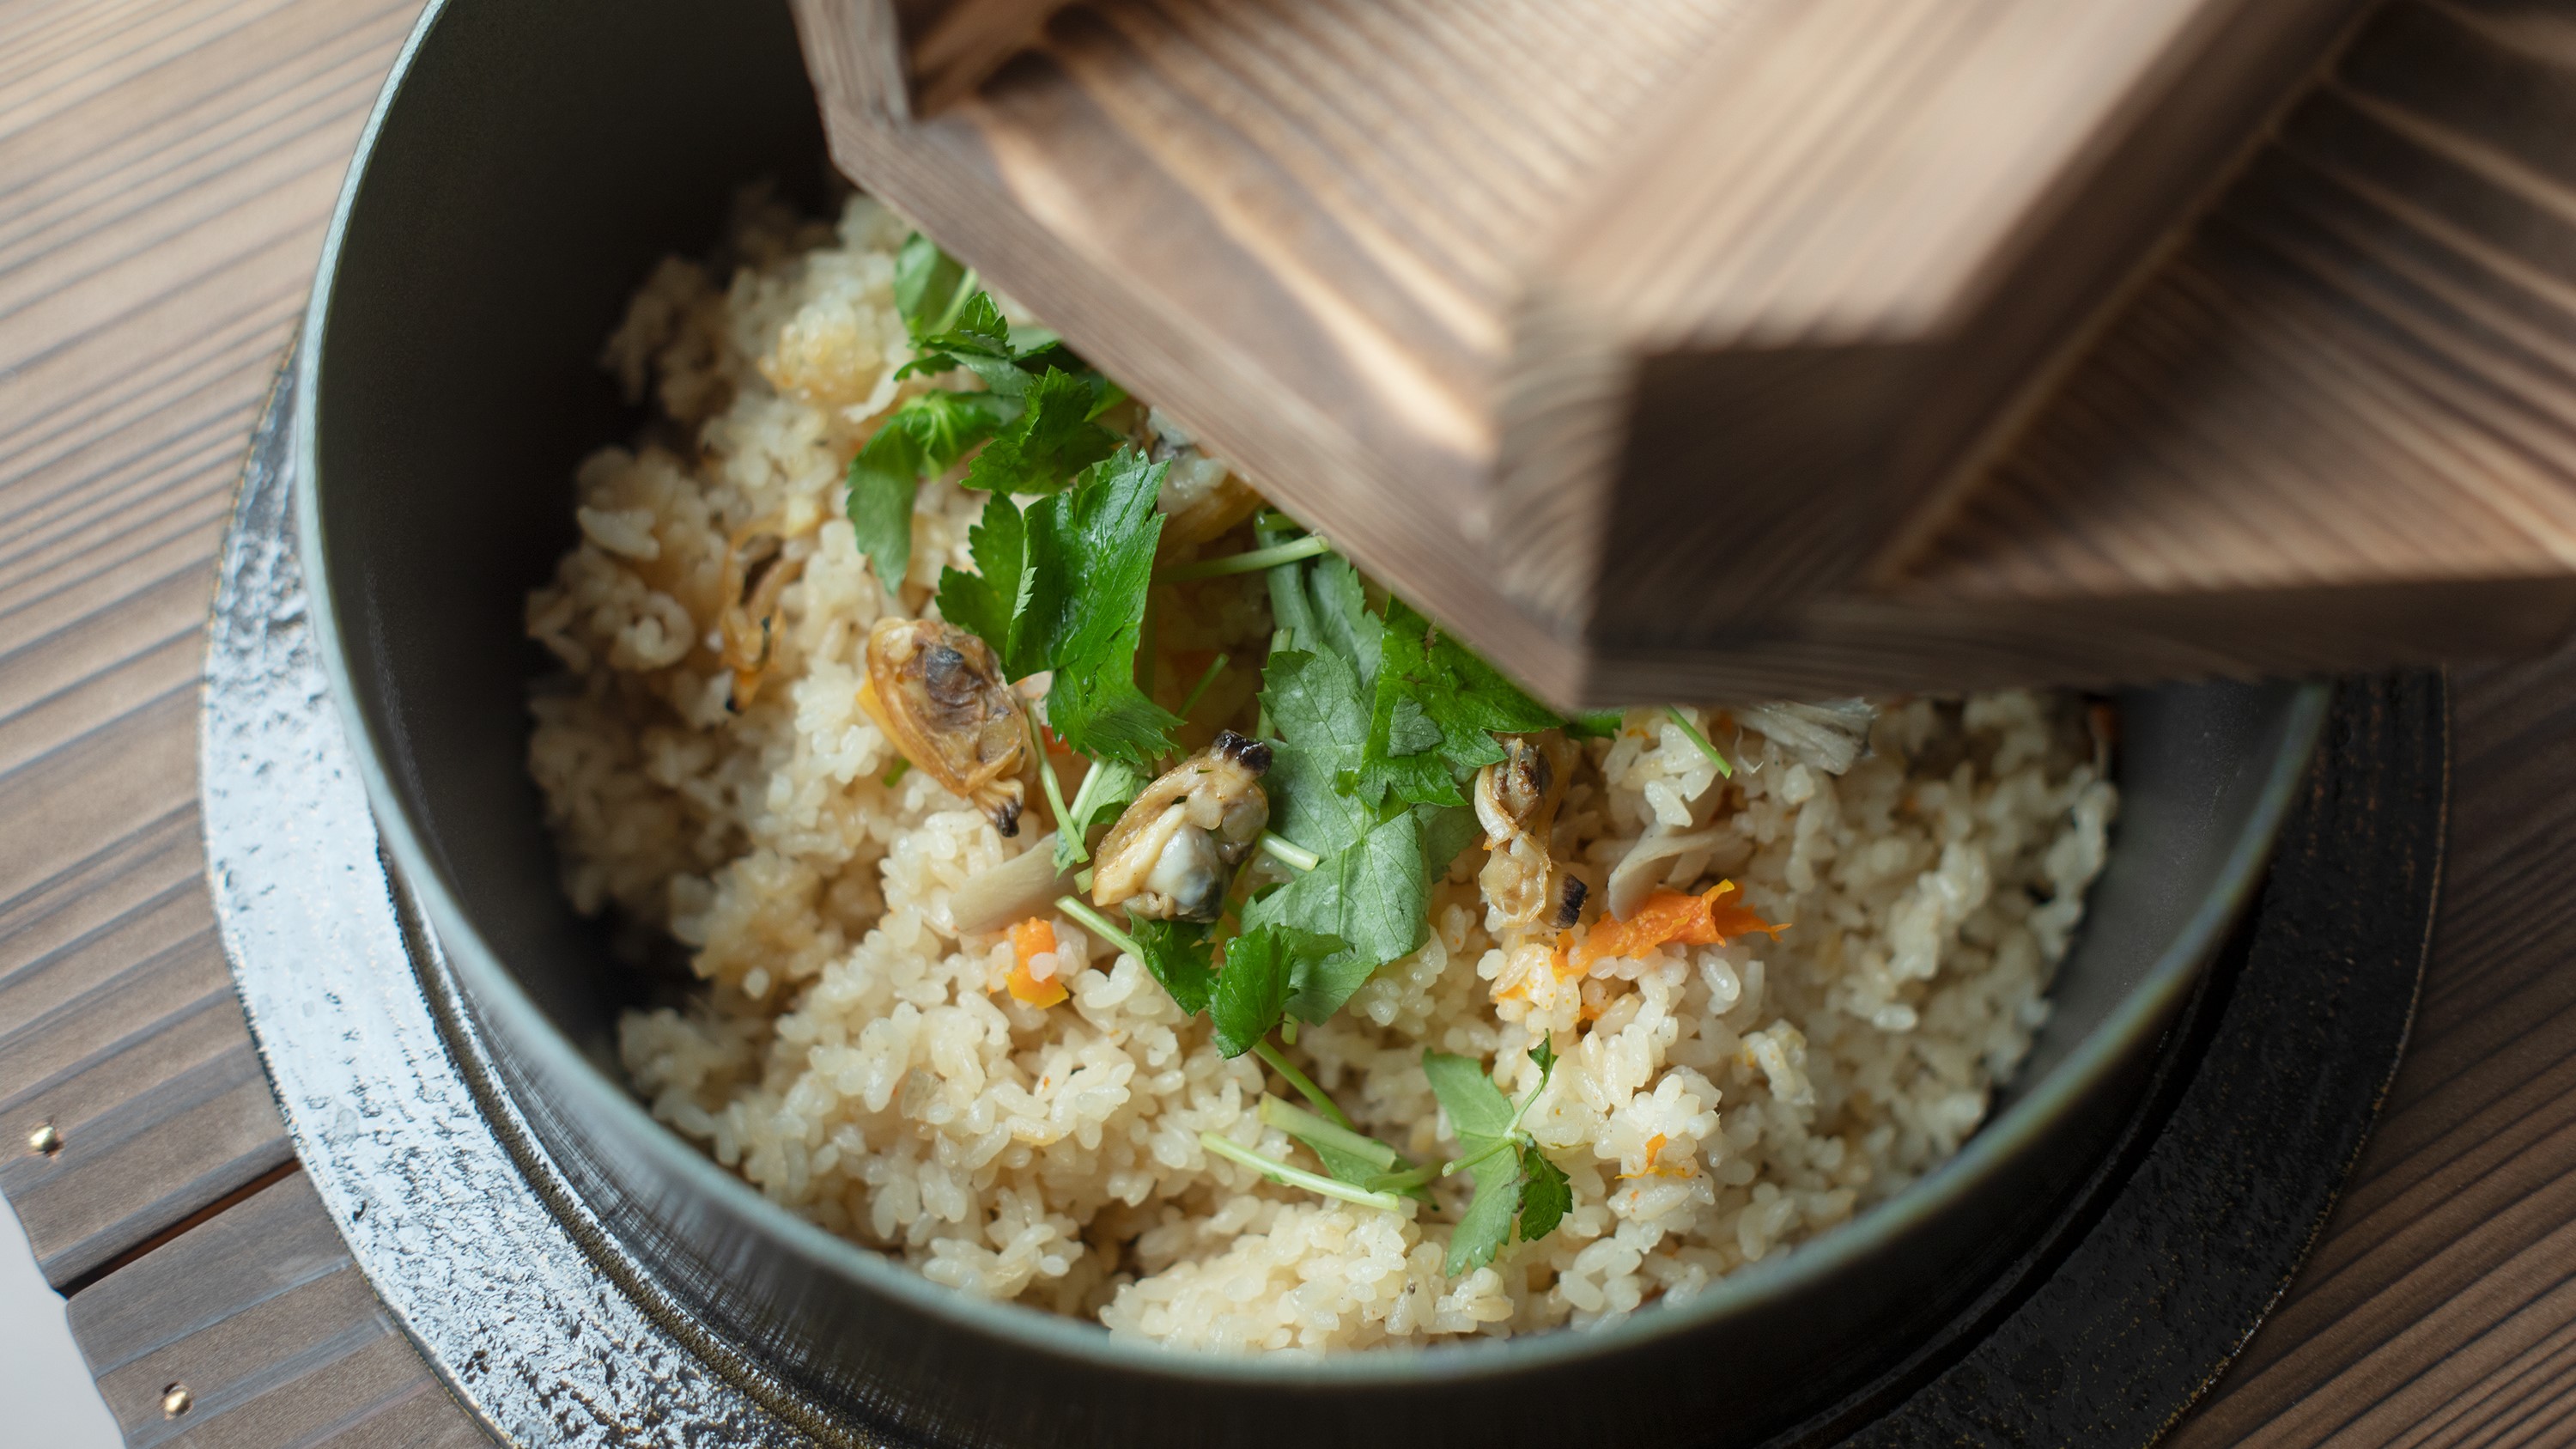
1031,944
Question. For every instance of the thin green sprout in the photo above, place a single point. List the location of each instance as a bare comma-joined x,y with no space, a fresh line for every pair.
1250,562
1407,1180
1081,805
958,302
1288,852
1099,924
1215,666
894,773
1465,1164
1700,740
1305,1126
1299,1177
1046,769
1304,1084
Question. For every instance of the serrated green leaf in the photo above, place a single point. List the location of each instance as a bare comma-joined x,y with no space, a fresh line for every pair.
1372,895
1429,684
1178,955
1049,444
1252,991
921,439
1597,724
1477,1108
1091,551
989,602
1546,1194
1322,726
1323,607
1487,1224
884,478
926,280
1447,830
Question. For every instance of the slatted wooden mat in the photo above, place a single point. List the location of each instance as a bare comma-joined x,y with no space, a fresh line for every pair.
166,168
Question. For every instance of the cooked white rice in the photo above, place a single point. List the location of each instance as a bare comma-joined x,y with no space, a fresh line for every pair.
859,1061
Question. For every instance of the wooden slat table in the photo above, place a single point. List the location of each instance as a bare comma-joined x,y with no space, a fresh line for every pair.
166,168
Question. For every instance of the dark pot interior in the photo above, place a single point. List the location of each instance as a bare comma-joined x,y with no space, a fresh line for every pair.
532,163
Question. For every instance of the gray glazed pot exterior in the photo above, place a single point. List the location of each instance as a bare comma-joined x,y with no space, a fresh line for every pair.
529,165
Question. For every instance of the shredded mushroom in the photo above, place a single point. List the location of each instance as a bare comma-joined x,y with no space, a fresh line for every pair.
1172,855
1645,865
1022,886
1827,737
938,693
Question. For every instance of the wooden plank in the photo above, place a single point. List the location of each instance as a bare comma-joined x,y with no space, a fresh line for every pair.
2440,1308
124,1039
265,1322
925,55
169,166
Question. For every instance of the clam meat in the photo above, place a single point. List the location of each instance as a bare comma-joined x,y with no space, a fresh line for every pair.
1172,855
939,693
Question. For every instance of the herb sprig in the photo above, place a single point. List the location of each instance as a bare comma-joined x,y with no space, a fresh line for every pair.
1517,1187
1035,418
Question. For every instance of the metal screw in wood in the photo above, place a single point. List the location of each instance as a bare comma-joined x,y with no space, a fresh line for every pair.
45,1141
176,1400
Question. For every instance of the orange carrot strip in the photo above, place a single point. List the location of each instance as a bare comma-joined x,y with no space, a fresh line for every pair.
1709,919
1029,939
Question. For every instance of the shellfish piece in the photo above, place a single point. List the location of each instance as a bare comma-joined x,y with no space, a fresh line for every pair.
939,693
1516,801
756,571
1172,855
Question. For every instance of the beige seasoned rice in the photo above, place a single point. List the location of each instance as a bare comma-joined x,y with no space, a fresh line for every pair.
857,1060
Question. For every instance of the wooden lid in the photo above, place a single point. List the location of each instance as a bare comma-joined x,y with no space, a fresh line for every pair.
1754,347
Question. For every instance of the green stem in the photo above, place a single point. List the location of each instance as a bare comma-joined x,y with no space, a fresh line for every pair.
1288,852
1071,825
1251,562
1215,666
1312,1130
1297,1176
1467,1164
895,773
1407,1180
1700,740
1304,1084
1099,925
967,287
1046,770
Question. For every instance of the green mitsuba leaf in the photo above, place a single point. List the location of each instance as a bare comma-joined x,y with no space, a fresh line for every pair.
1546,1195
1436,712
1092,552
1252,991
1178,955
1596,724
921,439
1487,1224
1372,895
926,285
1322,725
1050,442
1062,587
1516,1184
1323,607
1476,1107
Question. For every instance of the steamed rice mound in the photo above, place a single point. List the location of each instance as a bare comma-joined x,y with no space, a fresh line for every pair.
859,1061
